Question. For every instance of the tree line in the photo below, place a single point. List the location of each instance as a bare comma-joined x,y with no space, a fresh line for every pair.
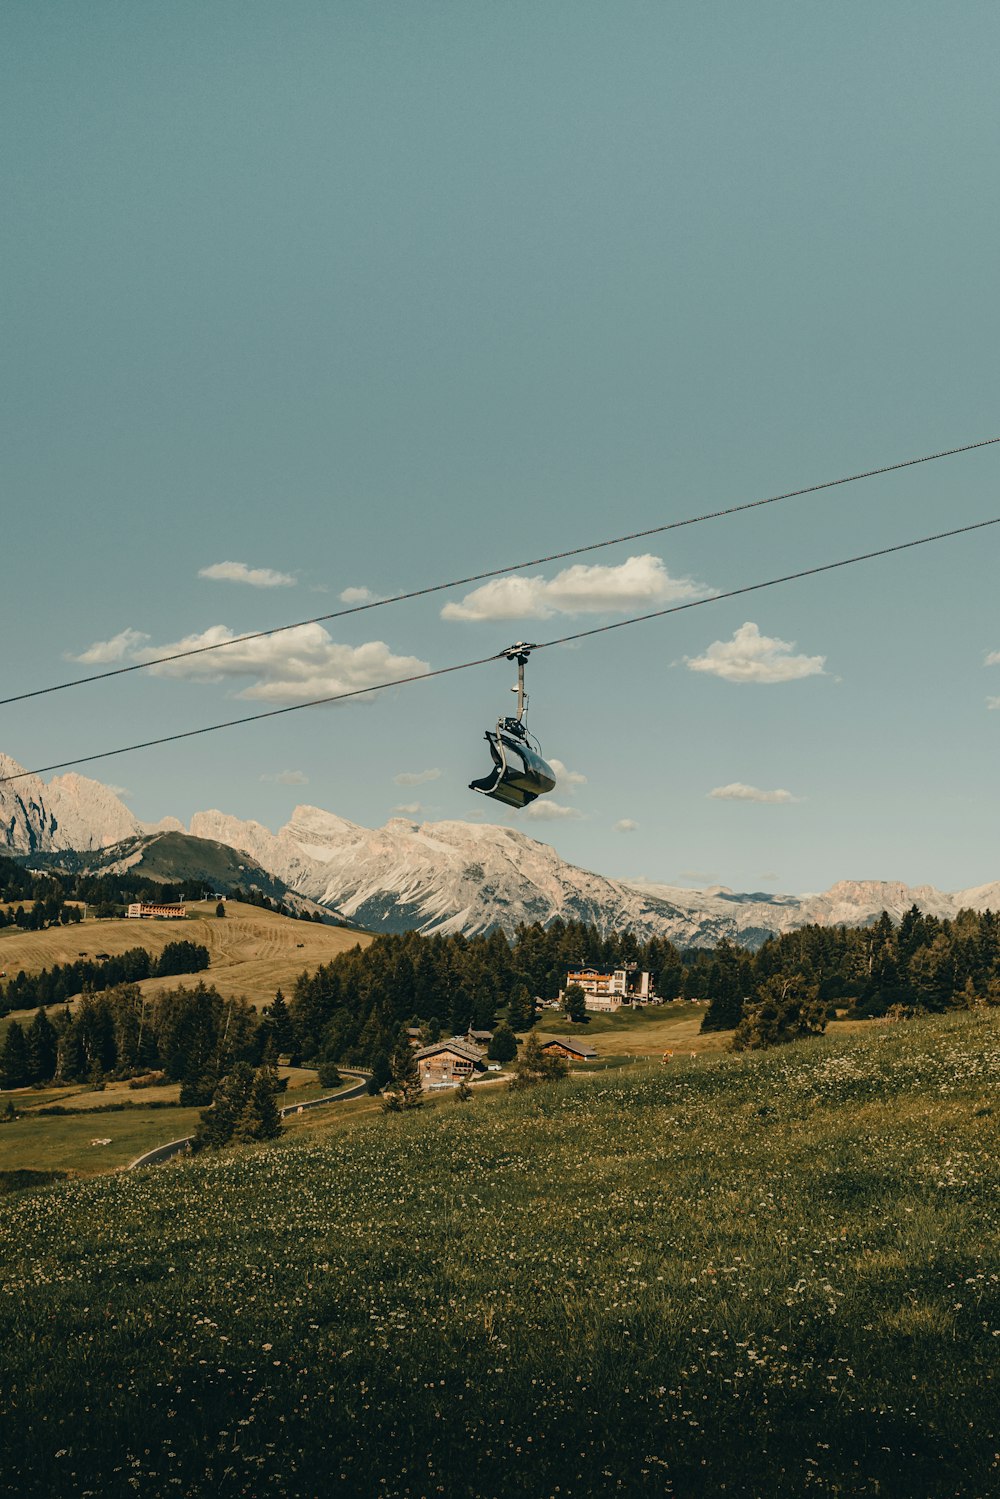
191,1036
356,1009
108,895
64,980
926,963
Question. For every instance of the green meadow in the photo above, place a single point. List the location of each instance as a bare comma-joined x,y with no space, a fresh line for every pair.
771,1274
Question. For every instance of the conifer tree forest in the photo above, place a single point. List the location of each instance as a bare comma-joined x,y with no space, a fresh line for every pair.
355,1009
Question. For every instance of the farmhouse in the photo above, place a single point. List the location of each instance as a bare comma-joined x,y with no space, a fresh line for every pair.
446,1063
566,1046
609,991
140,910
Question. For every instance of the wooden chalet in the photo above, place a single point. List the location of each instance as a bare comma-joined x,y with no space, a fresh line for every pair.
572,1050
447,1063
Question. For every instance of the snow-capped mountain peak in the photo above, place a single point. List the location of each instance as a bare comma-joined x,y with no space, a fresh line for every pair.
454,876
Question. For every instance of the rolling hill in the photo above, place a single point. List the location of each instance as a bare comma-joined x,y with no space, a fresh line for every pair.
252,951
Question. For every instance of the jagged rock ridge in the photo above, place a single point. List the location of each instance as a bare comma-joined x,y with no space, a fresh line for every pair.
452,876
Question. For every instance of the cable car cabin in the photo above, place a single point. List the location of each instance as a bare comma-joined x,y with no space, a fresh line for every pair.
519,773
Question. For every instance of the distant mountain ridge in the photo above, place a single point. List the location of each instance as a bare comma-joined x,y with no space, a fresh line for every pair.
436,877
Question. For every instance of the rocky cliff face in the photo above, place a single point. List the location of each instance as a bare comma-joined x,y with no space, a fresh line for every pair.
455,876
25,820
71,812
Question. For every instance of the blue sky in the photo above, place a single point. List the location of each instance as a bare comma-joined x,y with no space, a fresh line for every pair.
370,296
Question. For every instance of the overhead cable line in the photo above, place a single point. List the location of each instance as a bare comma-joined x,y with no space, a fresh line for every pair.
443,671
496,572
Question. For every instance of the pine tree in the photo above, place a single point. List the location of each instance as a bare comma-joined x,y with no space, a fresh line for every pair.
261,1117
503,1044
280,1023
14,1065
786,1008
725,990
404,1081
41,1048
461,1011
575,1004
218,1122
520,1008
537,1066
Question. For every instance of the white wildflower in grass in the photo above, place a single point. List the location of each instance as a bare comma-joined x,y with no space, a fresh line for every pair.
774,1274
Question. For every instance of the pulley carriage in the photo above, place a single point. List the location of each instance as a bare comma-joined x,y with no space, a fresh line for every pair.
519,775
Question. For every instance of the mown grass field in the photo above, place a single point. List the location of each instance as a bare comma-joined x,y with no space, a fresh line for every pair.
760,1275
252,951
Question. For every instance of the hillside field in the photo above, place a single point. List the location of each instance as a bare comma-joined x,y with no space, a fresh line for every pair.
54,1142
252,951
761,1275
96,1138
645,1032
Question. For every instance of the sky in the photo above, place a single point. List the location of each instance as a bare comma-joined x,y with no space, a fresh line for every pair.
311,303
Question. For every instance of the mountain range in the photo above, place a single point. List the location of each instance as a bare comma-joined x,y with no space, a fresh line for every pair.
432,877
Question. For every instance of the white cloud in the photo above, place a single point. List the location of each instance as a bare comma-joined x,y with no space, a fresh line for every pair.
569,780
546,811
239,572
992,659
753,657
993,702
737,791
292,666
638,582
625,825
102,652
357,596
416,777
287,778
121,791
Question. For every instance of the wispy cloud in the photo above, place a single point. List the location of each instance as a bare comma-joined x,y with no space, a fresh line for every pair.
752,657
638,582
286,778
357,596
992,659
569,780
547,811
121,791
239,572
416,777
409,809
104,652
625,825
737,791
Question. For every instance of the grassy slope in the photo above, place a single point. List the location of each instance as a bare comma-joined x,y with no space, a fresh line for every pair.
757,1275
252,951
648,1031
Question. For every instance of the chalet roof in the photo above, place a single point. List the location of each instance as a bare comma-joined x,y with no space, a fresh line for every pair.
460,1048
480,1035
580,1047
